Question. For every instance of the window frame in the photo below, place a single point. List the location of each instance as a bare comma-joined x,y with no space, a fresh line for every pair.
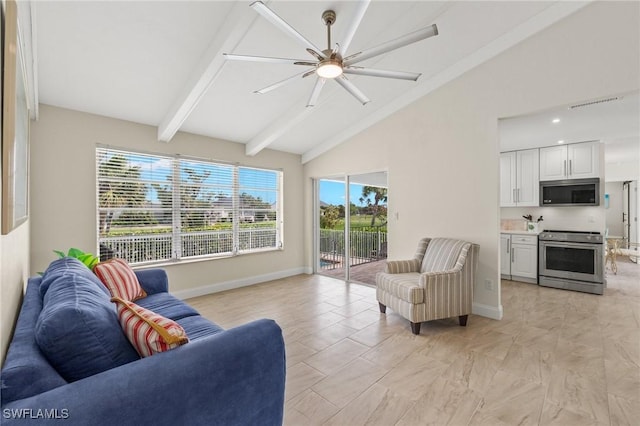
177,233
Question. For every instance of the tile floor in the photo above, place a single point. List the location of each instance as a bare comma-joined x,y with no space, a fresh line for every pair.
557,358
364,273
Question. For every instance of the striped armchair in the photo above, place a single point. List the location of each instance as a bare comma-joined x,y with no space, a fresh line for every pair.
437,283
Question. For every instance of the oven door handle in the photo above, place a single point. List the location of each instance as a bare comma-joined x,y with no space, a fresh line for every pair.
565,244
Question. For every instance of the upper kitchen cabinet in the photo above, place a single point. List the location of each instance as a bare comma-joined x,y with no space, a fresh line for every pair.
519,183
573,161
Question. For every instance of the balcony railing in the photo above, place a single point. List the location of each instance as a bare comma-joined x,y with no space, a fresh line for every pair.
138,249
366,247
158,247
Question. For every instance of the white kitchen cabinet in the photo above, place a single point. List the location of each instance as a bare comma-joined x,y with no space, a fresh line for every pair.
505,256
519,257
553,162
519,184
573,161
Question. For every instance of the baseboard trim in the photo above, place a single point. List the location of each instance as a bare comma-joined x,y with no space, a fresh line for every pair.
487,311
241,282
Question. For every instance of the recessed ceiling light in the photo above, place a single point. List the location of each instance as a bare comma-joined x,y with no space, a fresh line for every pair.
555,120
560,141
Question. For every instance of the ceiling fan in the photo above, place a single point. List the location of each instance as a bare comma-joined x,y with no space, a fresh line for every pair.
332,63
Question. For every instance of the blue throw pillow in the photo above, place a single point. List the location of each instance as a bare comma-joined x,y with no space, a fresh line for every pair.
78,329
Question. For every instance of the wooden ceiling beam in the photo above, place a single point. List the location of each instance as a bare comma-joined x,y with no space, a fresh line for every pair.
236,26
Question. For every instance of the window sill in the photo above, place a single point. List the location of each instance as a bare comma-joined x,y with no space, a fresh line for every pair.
207,258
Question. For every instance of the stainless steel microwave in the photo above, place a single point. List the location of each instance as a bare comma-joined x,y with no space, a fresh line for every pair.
570,192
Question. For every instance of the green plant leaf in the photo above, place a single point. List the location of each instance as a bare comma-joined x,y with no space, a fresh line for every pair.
93,263
88,259
74,252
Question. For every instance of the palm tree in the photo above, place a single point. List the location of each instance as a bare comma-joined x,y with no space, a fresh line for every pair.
379,196
118,188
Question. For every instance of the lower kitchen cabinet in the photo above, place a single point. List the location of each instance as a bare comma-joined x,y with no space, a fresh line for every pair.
519,257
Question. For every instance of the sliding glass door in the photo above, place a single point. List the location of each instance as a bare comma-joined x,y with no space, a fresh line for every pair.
351,237
330,227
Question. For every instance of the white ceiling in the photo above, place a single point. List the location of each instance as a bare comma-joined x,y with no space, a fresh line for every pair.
160,62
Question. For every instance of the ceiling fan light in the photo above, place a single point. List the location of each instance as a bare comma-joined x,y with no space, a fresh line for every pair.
329,69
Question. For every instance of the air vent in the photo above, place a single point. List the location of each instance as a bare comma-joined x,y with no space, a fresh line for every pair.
596,102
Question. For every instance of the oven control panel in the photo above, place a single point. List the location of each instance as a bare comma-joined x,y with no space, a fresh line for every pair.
571,236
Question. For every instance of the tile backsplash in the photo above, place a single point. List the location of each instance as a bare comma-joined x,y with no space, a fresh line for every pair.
513,224
563,218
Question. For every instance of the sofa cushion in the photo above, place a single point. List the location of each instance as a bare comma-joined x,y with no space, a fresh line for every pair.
441,255
119,278
147,331
198,327
78,329
26,372
403,286
167,305
68,266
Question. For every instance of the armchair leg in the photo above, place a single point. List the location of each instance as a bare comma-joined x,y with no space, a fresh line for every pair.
415,327
383,308
463,320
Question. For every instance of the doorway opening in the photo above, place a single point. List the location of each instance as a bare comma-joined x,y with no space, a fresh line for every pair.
351,226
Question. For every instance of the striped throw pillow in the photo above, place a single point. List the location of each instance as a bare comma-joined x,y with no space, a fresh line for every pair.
148,332
119,278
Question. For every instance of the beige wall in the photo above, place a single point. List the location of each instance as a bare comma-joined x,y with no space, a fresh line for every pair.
63,190
441,152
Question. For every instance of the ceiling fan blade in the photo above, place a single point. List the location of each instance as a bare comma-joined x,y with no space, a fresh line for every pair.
308,64
315,94
353,27
315,54
402,75
280,83
308,73
413,37
250,58
272,17
351,88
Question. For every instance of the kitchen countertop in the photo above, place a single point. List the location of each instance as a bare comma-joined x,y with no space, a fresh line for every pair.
513,231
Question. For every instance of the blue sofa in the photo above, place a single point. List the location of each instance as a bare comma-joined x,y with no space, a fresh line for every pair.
70,360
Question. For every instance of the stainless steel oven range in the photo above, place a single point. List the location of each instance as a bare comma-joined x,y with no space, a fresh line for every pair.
571,260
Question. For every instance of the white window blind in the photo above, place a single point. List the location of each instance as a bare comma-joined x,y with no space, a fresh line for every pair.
158,208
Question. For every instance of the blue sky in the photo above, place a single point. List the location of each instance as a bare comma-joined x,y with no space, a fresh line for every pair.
333,193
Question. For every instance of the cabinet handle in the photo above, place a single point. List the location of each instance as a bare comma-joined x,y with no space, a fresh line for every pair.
518,194
508,246
512,257
514,195
570,172
564,168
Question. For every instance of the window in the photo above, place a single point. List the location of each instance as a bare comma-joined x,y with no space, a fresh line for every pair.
157,208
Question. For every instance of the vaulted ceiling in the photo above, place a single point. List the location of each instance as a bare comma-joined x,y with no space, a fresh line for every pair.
161,63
